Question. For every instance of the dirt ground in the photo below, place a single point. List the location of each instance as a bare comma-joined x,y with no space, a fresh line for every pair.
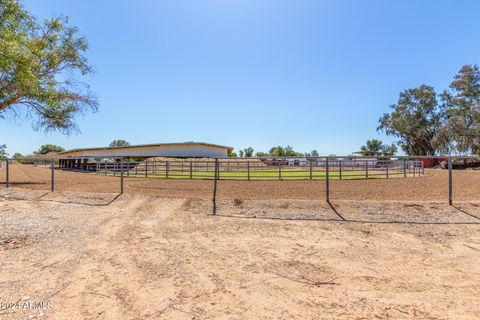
70,255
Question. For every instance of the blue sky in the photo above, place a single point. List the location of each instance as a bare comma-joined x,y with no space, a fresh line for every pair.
311,74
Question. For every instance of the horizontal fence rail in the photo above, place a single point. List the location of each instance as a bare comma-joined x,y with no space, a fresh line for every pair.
312,169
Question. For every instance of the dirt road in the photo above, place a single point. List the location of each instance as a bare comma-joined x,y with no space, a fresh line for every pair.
143,257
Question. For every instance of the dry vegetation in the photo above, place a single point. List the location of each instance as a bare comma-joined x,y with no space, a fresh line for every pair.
91,255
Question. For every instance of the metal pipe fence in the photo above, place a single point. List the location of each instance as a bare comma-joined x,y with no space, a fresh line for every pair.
319,168
312,169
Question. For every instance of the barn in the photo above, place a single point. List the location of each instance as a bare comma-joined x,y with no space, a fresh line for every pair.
75,157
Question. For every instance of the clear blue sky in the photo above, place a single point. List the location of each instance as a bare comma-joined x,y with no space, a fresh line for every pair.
311,74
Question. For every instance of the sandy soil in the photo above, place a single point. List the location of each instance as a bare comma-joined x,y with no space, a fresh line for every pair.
99,256
431,187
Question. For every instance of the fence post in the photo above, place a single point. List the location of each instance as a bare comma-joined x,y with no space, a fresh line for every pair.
166,169
8,173
340,171
248,170
121,177
146,168
52,182
327,179
404,168
387,169
311,169
191,169
450,189
215,188
366,169
279,171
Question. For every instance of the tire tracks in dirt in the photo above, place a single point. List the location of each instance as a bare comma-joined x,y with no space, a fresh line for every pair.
122,275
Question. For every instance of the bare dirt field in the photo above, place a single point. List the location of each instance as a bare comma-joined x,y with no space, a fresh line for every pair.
159,254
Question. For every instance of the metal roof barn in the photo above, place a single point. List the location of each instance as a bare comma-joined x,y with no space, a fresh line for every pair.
176,150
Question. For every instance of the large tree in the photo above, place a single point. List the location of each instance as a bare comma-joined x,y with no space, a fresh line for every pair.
47,148
40,62
415,120
461,130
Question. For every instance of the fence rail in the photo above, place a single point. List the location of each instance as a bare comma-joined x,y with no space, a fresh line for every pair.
264,170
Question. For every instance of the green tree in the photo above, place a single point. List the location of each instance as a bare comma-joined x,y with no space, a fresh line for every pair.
233,154
39,62
314,153
248,152
415,120
261,154
373,145
17,155
376,147
119,143
461,130
47,148
287,151
3,152
389,149
277,151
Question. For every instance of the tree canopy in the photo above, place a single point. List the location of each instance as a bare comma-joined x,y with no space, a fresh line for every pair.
287,151
461,131
119,143
47,148
415,120
375,147
39,66
428,123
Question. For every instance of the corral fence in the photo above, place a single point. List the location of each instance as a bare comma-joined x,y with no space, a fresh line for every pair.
262,169
327,169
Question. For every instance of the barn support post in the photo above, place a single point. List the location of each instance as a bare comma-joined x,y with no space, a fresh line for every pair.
7,172
215,188
52,177
327,179
450,183
121,176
